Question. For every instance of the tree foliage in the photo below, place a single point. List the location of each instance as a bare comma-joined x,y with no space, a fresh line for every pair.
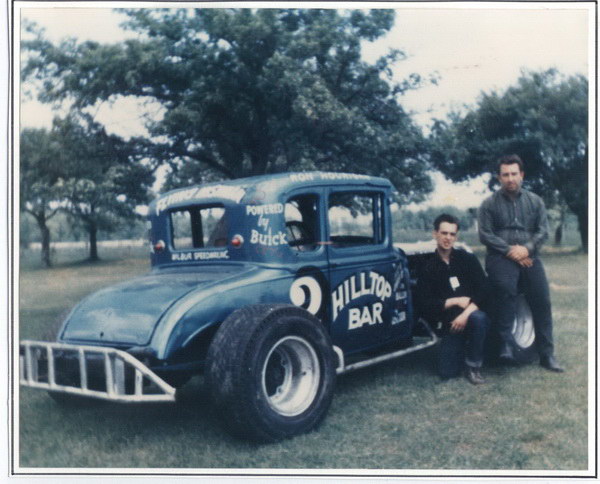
544,119
247,92
80,169
101,184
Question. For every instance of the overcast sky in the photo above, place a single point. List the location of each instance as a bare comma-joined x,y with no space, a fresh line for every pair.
473,48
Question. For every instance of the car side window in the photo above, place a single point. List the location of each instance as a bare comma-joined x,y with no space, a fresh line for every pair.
355,219
301,222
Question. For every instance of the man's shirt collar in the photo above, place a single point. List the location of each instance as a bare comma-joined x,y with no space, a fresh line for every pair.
450,258
507,196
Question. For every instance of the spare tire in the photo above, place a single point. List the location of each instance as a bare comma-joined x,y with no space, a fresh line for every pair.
523,332
270,372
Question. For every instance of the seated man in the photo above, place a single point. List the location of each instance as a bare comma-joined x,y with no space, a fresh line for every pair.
450,289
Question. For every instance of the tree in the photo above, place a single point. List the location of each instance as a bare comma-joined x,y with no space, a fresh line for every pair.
248,92
39,178
544,119
100,183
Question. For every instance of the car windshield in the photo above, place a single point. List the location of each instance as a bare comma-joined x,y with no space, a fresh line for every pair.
198,227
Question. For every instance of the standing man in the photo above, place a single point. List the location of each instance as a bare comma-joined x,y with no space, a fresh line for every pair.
451,289
513,226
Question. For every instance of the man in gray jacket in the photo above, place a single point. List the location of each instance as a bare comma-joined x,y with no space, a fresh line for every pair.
513,226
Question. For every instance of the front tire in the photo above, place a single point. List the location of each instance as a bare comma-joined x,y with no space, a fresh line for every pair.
270,372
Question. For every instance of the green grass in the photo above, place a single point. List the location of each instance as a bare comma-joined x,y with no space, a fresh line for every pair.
393,416
30,259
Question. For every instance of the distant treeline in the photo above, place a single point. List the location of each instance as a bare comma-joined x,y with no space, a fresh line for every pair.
64,229
423,219
411,226
420,223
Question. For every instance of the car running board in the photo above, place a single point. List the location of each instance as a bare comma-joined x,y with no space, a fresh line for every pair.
38,370
343,368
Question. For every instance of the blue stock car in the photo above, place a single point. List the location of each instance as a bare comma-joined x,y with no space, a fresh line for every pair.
269,286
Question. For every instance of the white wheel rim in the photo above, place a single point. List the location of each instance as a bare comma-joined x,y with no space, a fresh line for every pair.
523,330
290,376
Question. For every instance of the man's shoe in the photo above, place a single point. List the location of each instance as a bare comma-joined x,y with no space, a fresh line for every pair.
506,353
551,364
474,376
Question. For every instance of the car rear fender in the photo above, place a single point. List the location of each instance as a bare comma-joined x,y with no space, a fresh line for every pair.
193,316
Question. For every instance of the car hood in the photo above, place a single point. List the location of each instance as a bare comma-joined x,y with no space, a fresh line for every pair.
127,313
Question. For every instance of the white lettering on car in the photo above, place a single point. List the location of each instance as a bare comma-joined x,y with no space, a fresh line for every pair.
267,209
301,177
269,239
263,222
356,286
185,256
306,177
264,213
342,176
181,256
398,317
400,294
232,193
176,197
221,254
368,315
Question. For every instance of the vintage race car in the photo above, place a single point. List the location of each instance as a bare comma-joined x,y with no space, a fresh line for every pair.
269,286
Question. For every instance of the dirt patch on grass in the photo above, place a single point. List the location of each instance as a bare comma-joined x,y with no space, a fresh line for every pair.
559,287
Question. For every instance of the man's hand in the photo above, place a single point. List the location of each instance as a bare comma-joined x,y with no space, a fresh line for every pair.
517,253
461,302
527,262
459,323
520,255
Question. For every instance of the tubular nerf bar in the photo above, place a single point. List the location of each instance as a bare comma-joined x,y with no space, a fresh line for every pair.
115,364
343,368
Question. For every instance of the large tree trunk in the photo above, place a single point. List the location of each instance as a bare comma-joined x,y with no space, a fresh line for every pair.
45,245
558,233
583,229
45,231
93,232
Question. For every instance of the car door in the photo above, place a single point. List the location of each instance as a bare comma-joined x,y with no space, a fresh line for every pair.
362,269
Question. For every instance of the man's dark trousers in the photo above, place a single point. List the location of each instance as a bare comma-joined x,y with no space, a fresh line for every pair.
504,275
456,349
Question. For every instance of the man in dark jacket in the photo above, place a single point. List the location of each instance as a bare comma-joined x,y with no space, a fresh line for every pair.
513,226
451,290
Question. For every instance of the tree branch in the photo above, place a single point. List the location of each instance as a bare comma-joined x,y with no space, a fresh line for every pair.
204,157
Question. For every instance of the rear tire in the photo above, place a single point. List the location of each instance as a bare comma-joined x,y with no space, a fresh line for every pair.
270,372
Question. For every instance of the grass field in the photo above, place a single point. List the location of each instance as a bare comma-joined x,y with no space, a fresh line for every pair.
395,416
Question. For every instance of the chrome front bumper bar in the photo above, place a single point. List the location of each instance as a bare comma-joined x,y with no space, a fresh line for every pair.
125,378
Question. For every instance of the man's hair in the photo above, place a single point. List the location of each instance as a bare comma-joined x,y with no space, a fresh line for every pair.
509,160
445,217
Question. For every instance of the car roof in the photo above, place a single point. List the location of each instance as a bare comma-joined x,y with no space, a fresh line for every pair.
237,190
